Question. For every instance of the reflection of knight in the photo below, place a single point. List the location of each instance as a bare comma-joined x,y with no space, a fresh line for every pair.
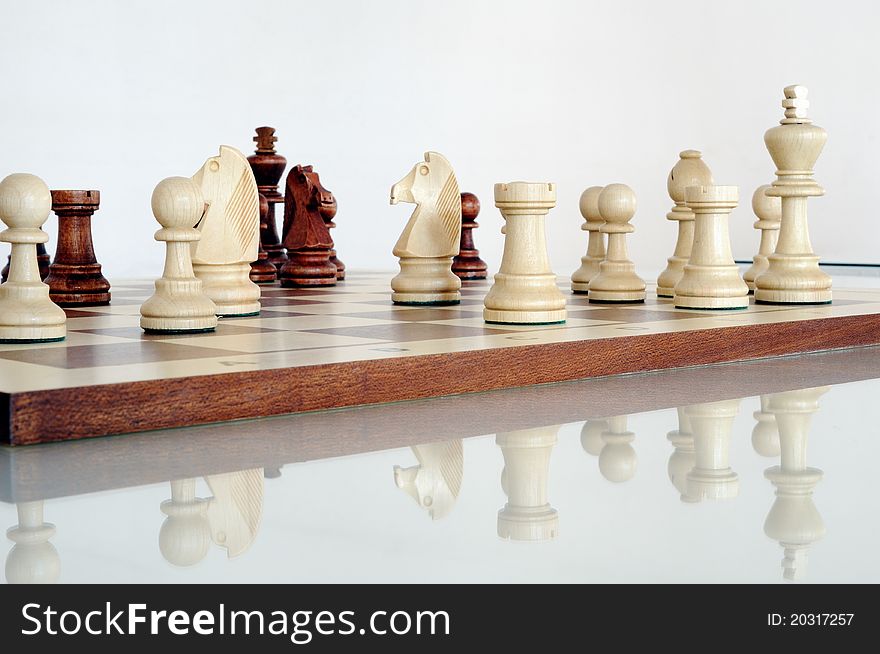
231,517
527,515
618,460
794,520
711,477
33,559
436,481
683,457
765,434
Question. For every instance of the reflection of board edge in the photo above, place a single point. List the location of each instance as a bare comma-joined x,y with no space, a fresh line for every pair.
81,412
32,473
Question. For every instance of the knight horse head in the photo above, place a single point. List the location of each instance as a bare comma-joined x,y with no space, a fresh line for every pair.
436,481
304,200
434,228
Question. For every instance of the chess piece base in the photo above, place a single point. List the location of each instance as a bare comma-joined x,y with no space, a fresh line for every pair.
433,299
230,288
695,302
671,276
178,325
503,317
665,291
582,288
32,334
308,268
161,313
528,523
80,285
425,280
263,272
616,296
31,317
340,267
524,299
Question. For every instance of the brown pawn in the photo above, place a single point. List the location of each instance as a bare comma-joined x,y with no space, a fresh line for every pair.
467,263
328,212
262,270
306,235
268,167
75,277
42,261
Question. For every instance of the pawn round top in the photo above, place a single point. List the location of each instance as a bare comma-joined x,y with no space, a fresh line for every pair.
617,203
25,201
177,202
690,170
720,196
539,194
470,207
589,204
766,207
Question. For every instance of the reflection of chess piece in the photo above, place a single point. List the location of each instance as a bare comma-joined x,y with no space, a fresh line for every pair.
436,481
618,460
683,457
765,433
235,510
527,516
185,535
711,477
33,559
591,436
794,520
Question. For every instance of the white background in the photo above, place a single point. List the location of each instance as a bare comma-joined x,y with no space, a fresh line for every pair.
118,95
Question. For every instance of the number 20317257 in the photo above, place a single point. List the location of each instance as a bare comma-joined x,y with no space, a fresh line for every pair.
810,619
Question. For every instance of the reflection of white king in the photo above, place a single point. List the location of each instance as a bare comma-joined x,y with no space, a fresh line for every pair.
527,515
793,520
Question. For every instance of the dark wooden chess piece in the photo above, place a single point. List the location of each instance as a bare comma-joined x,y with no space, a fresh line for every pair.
467,263
306,235
328,212
268,167
42,261
75,277
262,270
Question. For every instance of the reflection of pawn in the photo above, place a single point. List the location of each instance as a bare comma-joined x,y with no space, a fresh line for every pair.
527,516
711,477
467,263
618,460
769,212
793,275
27,315
591,436
525,290
711,277
617,280
33,560
436,481
262,270
589,206
179,304
185,535
683,457
793,520
765,433
690,170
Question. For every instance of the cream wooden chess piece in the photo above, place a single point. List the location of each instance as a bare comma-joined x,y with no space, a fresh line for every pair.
185,535
768,209
591,436
765,433
711,278
230,230
432,236
235,509
436,481
793,520
33,559
527,516
793,275
617,280
711,477
525,290
589,206
690,170
618,461
683,457
179,304
27,315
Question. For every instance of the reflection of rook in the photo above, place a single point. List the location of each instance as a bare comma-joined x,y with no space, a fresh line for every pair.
711,477
527,515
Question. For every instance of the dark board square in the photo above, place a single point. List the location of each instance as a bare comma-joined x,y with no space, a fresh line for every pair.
409,331
113,354
136,333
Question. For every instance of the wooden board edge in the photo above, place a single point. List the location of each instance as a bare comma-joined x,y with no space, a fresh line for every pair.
70,414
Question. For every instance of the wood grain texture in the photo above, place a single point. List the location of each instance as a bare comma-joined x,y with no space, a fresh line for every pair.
86,466
74,413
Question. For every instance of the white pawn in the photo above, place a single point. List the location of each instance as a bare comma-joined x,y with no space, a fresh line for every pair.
617,280
768,209
230,230
27,315
525,290
589,206
711,278
179,304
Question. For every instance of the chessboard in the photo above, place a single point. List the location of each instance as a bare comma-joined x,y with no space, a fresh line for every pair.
323,348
